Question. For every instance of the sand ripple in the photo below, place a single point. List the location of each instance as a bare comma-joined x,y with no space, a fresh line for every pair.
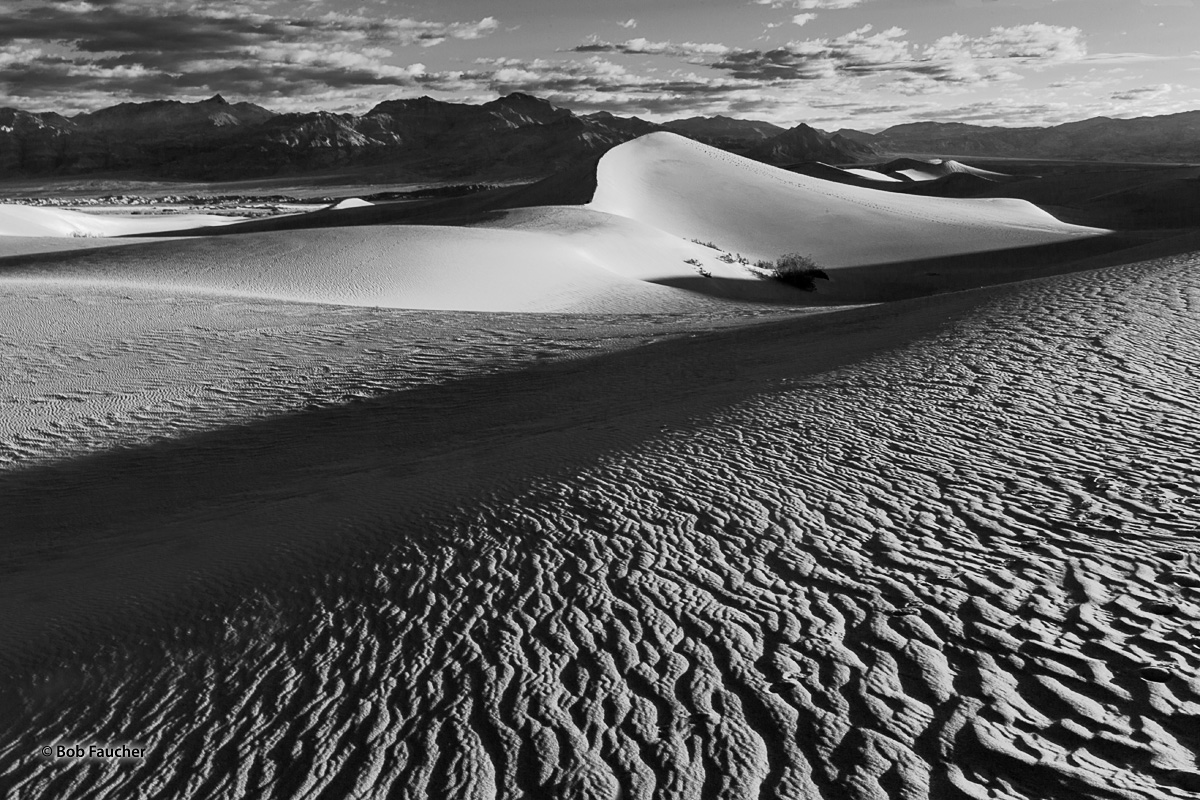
923,551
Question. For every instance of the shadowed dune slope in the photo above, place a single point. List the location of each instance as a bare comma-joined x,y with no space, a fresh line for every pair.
696,191
938,549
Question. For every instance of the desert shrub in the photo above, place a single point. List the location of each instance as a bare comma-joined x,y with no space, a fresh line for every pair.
795,270
693,262
705,244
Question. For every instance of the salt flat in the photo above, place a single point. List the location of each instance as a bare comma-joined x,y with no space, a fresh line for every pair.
664,542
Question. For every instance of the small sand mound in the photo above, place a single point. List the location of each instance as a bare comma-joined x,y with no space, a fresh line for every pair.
349,202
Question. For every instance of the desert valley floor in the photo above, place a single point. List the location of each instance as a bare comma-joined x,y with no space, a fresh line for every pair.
533,507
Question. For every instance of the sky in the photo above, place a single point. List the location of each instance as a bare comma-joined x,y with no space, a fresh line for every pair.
863,64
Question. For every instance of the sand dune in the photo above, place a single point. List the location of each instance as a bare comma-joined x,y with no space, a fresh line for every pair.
696,191
17,220
350,202
276,512
634,248
871,174
942,548
915,170
564,259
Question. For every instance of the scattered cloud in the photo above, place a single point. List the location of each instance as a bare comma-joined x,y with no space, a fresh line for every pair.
647,47
1143,93
953,59
596,83
811,4
819,58
132,48
73,55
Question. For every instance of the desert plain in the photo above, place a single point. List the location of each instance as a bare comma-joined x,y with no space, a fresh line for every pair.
534,494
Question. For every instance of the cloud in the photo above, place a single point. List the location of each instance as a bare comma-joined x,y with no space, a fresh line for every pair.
954,60
820,58
957,58
1034,41
135,48
646,47
596,83
1143,93
811,4
629,24
803,19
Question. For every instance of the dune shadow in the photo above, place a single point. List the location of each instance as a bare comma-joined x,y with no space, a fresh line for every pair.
749,290
99,534
907,280
904,280
572,187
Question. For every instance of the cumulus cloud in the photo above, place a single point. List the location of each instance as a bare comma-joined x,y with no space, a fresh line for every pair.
135,48
956,58
812,59
803,19
596,83
629,23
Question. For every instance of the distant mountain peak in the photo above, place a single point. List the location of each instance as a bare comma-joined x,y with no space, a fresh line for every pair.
719,127
519,101
522,97
216,99
805,143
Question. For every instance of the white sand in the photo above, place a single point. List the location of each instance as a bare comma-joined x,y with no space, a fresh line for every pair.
936,548
871,174
554,259
18,220
695,191
633,249
418,549
920,174
938,169
349,202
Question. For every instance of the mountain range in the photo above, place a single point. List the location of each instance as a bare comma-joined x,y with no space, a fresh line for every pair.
514,137
1171,138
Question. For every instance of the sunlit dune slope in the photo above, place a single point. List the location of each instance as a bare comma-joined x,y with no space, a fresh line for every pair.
531,260
696,191
18,220
872,175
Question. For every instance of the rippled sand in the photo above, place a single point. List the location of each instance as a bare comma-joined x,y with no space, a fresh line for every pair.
939,548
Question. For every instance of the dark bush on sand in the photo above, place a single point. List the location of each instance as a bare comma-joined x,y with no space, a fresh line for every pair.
795,270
